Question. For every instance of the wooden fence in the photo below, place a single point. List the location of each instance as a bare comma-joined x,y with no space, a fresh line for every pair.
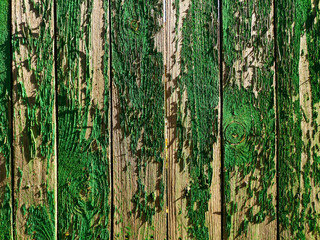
143,119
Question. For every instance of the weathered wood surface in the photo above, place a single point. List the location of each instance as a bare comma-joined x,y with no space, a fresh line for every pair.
130,143
5,124
33,119
249,120
192,97
298,32
83,103
138,120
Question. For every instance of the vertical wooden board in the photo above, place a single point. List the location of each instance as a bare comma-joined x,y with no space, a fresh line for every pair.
192,101
5,123
249,119
138,120
83,132
298,31
33,119
178,174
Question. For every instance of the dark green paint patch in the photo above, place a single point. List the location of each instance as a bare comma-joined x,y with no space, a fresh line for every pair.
235,133
5,139
313,44
5,214
5,86
242,128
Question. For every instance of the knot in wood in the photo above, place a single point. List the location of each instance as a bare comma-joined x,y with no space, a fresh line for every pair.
235,133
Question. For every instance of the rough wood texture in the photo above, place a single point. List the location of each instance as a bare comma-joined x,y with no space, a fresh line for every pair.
83,97
299,103
5,123
165,120
178,174
33,120
138,120
249,119
192,95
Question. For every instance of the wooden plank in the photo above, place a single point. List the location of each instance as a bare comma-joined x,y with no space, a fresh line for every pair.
138,120
5,123
298,92
249,119
33,120
192,95
178,174
83,97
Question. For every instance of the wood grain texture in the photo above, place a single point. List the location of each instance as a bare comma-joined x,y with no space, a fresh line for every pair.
164,172
178,174
298,92
83,113
33,120
249,119
192,95
138,120
5,123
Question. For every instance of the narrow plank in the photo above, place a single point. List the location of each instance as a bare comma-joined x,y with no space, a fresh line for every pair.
178,174
138,120
249,119
33,119
299,103
192,95
5,123
83,110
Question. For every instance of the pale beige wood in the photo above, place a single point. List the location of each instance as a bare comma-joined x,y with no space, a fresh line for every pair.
178,177
214,215
6,208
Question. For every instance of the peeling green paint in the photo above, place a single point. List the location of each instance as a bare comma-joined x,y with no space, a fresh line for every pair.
137,74
38,115
297,181
5,139
83,179
248,114
199,77
40,223
5,215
